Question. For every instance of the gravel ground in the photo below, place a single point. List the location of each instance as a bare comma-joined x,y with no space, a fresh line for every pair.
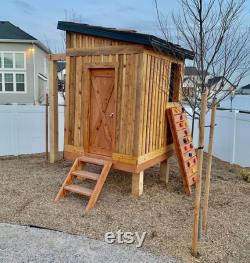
28,186
26,244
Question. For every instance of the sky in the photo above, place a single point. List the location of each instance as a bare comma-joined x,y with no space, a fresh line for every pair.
39,18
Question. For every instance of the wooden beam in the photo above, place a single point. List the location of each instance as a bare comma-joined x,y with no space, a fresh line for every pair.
111,50
53,111
124,158
164,171
137,183
57,57
66,106
151,155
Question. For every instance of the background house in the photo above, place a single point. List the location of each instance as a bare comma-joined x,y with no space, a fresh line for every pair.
23,66
245,90
61,76
192,80
226,86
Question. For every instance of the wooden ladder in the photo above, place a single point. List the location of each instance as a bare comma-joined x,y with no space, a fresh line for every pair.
77,172
184,148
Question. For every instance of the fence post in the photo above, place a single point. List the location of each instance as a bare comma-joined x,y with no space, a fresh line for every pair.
14,125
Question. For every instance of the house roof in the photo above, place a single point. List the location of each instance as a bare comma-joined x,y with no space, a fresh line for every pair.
10,33
60,65
215,80
192,71
245,87
127,36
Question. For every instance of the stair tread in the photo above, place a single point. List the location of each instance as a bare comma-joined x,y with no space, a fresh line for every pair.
78,189
87,159
86,174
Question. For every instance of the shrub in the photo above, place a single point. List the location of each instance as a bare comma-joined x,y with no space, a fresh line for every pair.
245,174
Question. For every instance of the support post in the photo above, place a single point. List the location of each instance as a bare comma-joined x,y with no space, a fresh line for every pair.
164,171
208,168
137,183
47,127
199,175
53,111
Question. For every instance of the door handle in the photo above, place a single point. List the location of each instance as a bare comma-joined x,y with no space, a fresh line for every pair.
111,115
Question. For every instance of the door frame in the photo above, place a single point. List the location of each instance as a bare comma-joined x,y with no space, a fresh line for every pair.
86,101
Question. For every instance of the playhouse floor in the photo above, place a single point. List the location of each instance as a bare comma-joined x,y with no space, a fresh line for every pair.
28,186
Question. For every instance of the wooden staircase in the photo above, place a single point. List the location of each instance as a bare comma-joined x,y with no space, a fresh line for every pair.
184,148
77,173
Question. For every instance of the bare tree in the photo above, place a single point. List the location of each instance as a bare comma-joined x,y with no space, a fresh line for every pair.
72,16
213,31
69,15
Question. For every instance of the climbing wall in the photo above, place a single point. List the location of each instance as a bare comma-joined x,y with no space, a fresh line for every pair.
184,147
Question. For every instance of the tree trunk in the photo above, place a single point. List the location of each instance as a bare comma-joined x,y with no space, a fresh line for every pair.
209,165
199,176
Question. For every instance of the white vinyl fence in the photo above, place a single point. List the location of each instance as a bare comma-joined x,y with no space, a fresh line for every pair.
232,137
22,129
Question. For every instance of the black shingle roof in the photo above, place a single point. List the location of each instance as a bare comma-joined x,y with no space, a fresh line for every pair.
61,65
127,36
246,87
192,71
214,80
10,31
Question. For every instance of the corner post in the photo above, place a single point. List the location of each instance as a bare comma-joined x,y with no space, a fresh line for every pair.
137,183
164,171
53,111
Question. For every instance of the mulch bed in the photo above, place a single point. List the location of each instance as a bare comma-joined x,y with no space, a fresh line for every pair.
29,185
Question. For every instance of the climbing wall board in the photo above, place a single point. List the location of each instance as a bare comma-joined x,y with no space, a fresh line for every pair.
184,148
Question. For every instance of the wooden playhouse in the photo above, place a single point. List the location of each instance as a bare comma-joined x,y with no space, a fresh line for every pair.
119,84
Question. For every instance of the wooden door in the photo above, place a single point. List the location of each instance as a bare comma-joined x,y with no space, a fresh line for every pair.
102,111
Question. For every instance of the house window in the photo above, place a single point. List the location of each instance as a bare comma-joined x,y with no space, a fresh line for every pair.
8,60
12,60
20,82
9,82
12,73
19,60
12,82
